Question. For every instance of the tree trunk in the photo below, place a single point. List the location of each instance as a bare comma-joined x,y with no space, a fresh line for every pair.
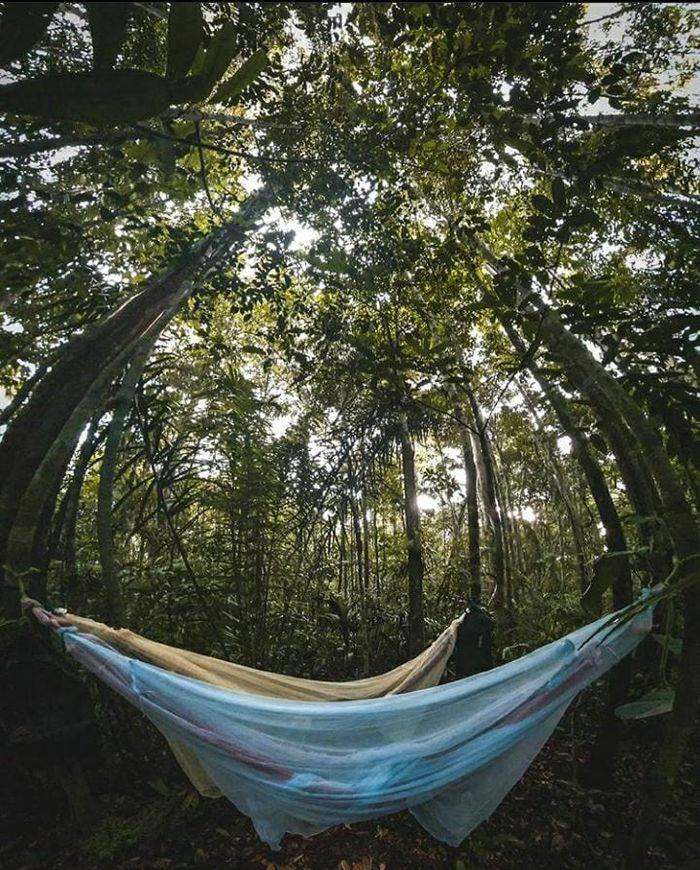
416,569
24,540
611,400
484,465
605,747
9,410
615,541
69,577
113,604
42,434
563,489
675,121
602,389
361,561
474,557
212,615
502,505
643,495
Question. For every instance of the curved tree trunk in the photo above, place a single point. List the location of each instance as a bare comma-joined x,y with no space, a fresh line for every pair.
642,493
564,492
113,604
602,389
615,541
66,521
24,540
9,410
612,401
41,437
605,747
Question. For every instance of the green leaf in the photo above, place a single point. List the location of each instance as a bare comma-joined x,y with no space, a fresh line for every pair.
543,204
191,89
418,10
117,96
219,54
532,234
21,27
563,233
654,703
582,218
159,785
185,33
559,193
534,254
675,644
639,520
198,62
244,76
108,30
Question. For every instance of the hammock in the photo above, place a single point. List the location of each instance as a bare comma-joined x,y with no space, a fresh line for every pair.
423,671
449,754
419,673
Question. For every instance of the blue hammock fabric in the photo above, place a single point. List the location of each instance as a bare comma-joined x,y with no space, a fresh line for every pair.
449,754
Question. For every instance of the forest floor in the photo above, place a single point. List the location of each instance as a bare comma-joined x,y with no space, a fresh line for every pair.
548,821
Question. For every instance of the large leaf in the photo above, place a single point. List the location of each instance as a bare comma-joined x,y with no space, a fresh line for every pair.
118,96
185,32
674,644
220,52
652,704
191,89
21,27
108,30
244,76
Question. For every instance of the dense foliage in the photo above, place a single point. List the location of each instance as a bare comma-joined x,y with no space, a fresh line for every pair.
320,320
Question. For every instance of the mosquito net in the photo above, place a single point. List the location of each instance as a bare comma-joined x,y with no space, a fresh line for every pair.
449,753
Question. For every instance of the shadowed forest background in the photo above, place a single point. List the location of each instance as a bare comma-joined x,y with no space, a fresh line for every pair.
316,322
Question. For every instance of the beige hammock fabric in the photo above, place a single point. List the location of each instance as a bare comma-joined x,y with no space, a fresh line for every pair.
421,672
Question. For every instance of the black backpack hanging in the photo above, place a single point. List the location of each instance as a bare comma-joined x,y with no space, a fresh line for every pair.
474,645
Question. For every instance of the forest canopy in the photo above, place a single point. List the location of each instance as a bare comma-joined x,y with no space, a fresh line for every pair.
320,322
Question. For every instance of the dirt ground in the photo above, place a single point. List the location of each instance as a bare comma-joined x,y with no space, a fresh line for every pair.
548,821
